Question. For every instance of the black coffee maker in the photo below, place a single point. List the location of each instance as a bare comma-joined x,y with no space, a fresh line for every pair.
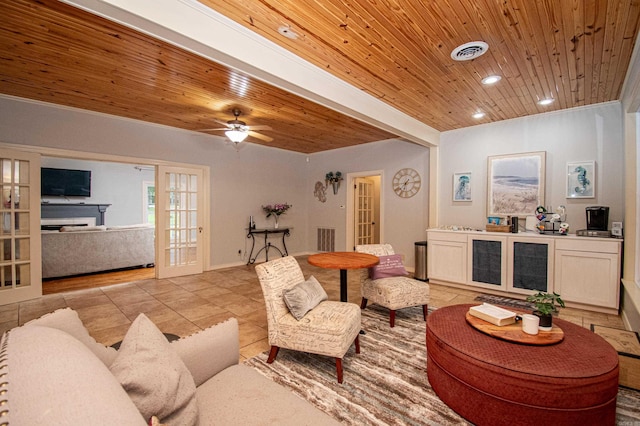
597,218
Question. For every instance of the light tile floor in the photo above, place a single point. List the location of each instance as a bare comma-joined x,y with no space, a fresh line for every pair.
185,305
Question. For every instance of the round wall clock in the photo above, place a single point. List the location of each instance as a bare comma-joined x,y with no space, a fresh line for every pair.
406,183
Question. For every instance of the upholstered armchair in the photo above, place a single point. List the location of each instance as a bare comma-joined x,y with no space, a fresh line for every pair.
328,328
394,292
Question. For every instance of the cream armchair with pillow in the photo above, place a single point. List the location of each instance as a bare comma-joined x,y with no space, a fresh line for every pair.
386,284
300,318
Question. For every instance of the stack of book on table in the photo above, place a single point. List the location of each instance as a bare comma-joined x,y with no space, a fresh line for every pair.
493,314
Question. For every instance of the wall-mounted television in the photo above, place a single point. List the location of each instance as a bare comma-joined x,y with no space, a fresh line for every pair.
65,182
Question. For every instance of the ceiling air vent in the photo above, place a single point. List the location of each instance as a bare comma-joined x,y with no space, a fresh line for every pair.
469,51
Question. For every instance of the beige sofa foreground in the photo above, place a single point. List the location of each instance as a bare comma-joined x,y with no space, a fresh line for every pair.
55,373
95,250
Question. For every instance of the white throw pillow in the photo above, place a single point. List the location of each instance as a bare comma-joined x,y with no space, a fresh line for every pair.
154,376
68,320
303,297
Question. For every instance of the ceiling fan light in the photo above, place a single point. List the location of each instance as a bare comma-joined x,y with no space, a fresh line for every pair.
236,136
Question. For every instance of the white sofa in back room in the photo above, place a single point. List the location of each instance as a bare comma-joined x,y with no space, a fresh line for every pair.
78,250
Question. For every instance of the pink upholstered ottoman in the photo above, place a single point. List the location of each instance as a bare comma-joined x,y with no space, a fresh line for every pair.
489,381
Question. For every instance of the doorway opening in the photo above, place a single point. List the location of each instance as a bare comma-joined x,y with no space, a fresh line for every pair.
177,245
365,213
119,191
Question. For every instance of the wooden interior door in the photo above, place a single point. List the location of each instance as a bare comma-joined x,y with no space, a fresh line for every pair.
364,211
20,257
179,221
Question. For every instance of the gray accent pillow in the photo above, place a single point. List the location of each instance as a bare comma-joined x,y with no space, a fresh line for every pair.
303,297
154,376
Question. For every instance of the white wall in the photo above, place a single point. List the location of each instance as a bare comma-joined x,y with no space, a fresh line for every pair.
579,134
111,183
241,181
405,219
631,275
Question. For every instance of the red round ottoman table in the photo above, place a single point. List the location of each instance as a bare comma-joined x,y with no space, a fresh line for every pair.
489,381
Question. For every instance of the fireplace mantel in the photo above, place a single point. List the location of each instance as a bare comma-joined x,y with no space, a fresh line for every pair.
67,210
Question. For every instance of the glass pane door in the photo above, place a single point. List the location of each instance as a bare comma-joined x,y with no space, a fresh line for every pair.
364,211
20,268
179,222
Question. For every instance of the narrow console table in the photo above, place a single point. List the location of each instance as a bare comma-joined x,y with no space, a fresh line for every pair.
252,233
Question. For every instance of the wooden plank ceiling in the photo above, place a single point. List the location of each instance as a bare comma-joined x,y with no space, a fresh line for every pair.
574,51
56,53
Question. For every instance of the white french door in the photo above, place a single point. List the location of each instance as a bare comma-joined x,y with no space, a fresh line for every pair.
364,211
179,221
20,258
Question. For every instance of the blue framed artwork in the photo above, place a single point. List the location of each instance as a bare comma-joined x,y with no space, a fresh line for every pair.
462,186
581,179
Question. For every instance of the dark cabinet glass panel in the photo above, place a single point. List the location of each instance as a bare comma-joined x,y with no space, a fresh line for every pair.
487,262
530,266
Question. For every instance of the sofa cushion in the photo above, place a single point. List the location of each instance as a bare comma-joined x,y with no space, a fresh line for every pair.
240,395
389,266
303,297
210,351
154,376
68,321
53,379
137,225
82,228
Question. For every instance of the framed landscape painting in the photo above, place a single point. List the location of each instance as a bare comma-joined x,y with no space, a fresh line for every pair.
515,184
462,186
581,179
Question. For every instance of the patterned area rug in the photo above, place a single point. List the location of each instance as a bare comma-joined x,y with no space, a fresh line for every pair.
386,384
504,301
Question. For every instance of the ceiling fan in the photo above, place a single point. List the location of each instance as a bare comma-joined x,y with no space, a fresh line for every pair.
237,130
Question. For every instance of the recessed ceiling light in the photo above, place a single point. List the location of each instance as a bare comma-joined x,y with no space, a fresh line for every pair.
478,115
492,79
547,101
286,31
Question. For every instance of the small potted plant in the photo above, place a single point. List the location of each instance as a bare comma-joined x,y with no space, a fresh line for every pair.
545,306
